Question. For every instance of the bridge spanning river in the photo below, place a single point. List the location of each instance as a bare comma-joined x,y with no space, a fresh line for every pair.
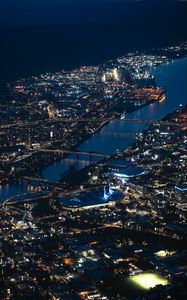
112,136
77,152
93,120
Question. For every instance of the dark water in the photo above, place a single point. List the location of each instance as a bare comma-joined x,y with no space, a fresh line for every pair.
46,35
118,135
17,188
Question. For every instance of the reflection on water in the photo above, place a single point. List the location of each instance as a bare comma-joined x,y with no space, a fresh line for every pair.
172,76
54,171
17,188
118,135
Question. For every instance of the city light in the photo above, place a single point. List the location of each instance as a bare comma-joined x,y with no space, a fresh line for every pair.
148,280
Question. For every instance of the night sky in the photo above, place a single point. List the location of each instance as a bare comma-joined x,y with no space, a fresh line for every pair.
37,12
46,35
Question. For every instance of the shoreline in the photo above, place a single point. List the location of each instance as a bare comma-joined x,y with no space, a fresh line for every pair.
166,118
141,50
84,139
120,107
125,155
87,137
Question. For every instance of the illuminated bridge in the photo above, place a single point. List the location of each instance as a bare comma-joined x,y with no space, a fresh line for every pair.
37,179
77,153
94,120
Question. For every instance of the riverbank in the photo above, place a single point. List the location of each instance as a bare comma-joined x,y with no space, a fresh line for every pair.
32,160
118,134
75,178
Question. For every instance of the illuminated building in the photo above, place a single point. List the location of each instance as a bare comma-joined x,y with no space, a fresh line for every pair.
181,193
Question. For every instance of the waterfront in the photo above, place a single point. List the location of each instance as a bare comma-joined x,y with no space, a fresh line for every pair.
118,135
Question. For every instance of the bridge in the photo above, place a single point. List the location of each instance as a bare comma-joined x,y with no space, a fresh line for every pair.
78,153
26,197
93,120
37,179
100,120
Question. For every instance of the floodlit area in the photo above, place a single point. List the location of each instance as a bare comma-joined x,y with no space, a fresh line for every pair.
148,280
164,253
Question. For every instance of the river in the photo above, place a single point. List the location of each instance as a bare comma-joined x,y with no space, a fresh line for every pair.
118,134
